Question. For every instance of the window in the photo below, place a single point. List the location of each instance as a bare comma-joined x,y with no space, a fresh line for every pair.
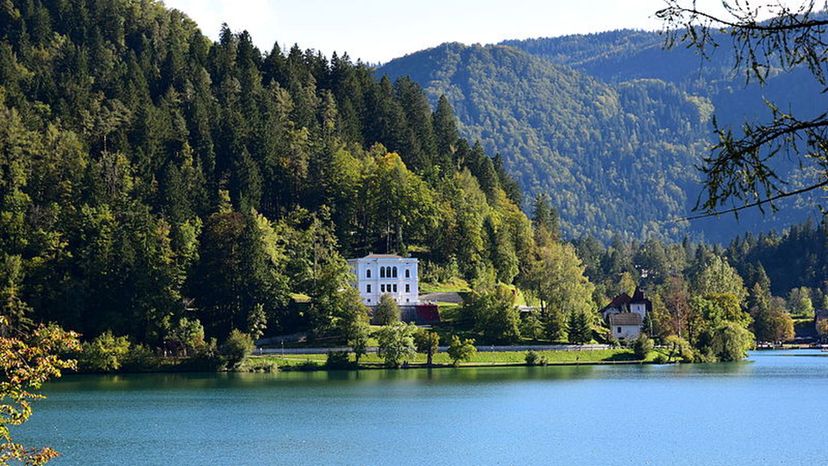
395,287
382,272
394,274
406,299
368,288
407,273
368,273
407,288
382,288
369,300
619,330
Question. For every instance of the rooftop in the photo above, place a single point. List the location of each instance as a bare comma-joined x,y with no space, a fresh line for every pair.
382,256
625,318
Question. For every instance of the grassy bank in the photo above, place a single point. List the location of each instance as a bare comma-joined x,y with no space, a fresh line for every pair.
311,361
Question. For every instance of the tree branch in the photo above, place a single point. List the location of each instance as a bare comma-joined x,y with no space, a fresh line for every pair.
758,203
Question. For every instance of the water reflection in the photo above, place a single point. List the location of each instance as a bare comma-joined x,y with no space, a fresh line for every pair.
463,375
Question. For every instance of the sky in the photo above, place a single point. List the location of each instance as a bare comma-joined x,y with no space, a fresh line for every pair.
379,30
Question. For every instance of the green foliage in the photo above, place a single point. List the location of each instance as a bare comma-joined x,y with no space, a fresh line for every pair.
236,348
27,360
556,325
772,323
560,131
396,343
642,346
461,350
387,311
186,337
729,342
338,360
556,278
534,359
799,302
106,353
358,336
678,349
532,327
578,328
719,277
427,342
495,314
199,179
257,322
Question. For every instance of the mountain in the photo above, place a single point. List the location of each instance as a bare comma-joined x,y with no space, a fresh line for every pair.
610,125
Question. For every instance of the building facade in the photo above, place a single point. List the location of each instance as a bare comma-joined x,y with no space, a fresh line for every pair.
625,315
379,274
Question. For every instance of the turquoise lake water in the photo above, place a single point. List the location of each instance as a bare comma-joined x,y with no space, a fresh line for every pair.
768,410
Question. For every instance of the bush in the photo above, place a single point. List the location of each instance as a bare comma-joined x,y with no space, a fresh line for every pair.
396,343
531,358
679,349
660,359
461,350
642,346
387,312
338,360
106,353
236,348
358,335
427,343
141,358
730,342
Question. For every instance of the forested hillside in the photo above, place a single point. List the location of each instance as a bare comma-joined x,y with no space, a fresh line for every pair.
165,191
611,125
149,176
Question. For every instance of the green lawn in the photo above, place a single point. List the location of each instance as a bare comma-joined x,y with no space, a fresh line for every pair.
481,358
456,284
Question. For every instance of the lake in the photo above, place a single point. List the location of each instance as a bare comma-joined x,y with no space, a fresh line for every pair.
770,409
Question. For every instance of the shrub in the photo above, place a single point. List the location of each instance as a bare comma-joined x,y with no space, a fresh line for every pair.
427,342
358,335
388,312
679,349
396,343
236,348
660,359
141,358
642,346
105,353
338,360
531,358
461,350
730,342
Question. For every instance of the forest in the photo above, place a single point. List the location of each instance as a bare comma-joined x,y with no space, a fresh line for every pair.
612,125
161,187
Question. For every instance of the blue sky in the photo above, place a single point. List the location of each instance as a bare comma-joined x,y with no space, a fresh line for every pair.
379,30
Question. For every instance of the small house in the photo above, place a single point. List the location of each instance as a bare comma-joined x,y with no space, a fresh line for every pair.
625,314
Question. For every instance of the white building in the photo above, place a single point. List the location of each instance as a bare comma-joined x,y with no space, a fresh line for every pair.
625,315
379,274
625,325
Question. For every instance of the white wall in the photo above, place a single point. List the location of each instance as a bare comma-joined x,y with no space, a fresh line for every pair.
360,268
627,332
640,309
